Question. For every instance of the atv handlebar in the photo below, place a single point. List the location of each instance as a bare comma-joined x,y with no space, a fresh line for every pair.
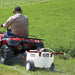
7,28
1,25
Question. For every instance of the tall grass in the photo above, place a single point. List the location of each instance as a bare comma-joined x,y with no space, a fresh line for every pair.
52,20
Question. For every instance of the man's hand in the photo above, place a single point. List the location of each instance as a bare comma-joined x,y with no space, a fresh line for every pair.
1,25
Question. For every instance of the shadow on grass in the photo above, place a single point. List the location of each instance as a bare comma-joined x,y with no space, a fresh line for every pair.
58,71
48,70
19,60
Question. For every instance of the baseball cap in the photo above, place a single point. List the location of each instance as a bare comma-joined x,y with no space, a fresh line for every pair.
17,9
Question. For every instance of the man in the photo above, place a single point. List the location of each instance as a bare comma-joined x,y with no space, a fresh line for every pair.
18,22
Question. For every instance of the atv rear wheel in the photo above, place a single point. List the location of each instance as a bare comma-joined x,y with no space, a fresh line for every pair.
7,54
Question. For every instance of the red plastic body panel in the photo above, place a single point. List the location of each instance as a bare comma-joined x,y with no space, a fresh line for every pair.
1,35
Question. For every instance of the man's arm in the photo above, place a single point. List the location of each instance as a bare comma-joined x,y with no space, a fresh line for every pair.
8,22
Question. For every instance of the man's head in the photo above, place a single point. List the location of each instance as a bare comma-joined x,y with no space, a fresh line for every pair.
17,10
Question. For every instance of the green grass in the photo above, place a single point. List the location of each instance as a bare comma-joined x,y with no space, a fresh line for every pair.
54,22
54,25
62,67
12,3
51,20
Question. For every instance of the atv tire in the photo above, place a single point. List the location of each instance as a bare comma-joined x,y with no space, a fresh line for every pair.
7,54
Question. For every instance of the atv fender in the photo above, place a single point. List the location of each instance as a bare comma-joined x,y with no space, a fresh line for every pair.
10,42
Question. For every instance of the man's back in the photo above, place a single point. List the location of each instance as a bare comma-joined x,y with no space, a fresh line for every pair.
18,22
19,26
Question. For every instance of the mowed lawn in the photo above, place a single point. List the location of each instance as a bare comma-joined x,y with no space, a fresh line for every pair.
51,20
62,67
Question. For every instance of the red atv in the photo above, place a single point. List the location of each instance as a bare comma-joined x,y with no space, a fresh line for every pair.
11,47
